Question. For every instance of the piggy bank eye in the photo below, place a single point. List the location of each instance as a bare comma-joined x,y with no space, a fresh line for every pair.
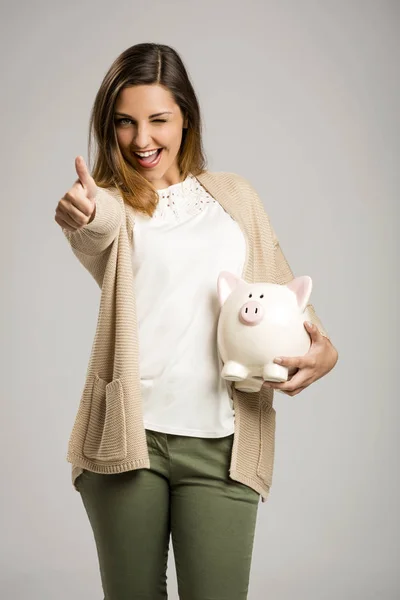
262,296
250,295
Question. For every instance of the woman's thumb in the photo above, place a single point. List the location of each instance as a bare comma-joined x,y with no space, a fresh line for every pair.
85,177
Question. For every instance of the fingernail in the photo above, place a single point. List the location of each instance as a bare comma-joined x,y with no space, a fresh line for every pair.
278,360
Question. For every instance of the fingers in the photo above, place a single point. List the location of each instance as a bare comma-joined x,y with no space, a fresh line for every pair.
292,371
299,380
292,362
312,331
65,223
77,204
74,209
293,392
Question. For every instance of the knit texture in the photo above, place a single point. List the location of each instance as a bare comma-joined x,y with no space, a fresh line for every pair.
108,434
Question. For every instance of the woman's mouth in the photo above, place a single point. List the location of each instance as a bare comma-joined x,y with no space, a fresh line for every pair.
148,162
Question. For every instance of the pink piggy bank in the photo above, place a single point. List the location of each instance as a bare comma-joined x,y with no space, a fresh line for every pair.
257,323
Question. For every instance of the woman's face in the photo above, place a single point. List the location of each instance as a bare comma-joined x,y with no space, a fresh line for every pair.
147,118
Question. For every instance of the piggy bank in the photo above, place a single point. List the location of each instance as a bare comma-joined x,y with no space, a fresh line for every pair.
257,323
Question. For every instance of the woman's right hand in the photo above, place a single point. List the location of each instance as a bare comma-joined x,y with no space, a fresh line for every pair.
77,207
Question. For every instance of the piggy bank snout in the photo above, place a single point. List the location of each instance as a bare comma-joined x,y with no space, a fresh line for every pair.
251,313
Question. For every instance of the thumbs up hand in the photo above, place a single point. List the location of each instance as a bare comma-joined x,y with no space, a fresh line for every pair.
77,207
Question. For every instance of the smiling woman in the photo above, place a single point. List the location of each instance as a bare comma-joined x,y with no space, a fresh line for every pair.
147,124
161,446
149,143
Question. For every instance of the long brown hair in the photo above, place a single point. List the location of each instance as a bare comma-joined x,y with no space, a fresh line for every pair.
143,64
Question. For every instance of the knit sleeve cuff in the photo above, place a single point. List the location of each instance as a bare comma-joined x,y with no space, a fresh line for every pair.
108,213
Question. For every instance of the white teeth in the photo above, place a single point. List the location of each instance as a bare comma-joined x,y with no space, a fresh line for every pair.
145,154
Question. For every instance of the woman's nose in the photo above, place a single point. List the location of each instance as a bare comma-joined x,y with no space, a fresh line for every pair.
141,137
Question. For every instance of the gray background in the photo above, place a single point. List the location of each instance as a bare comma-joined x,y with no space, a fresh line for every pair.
302,98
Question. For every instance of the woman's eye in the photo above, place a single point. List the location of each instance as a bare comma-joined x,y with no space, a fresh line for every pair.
126,119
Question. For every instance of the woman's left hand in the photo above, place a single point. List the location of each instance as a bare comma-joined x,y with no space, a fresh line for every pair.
319,360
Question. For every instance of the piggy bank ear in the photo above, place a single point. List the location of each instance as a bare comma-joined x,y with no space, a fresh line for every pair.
226,283
302,287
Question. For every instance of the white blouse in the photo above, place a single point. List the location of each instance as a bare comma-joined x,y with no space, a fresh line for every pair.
177,256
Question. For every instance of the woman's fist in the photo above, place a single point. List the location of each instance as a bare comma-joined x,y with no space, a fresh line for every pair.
77,207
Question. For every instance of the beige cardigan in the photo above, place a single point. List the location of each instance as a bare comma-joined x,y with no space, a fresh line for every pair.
108,435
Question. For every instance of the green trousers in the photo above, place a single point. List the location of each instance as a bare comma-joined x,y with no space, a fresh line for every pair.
186,495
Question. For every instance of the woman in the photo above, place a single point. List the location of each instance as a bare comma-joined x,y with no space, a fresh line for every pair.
161,445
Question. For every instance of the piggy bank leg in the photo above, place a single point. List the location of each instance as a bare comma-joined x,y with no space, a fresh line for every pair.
275,372
252,384
234,371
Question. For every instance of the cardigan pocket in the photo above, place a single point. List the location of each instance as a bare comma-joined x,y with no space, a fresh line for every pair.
105,438
267,421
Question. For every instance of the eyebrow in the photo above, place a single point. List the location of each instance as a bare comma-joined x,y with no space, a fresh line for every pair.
165,112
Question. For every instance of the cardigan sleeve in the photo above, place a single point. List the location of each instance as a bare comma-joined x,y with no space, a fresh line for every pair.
285,274
95,237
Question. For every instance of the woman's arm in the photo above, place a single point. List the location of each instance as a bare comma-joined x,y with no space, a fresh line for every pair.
322,356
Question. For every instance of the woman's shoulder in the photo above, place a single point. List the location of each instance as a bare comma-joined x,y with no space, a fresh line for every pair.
240,192
228,178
